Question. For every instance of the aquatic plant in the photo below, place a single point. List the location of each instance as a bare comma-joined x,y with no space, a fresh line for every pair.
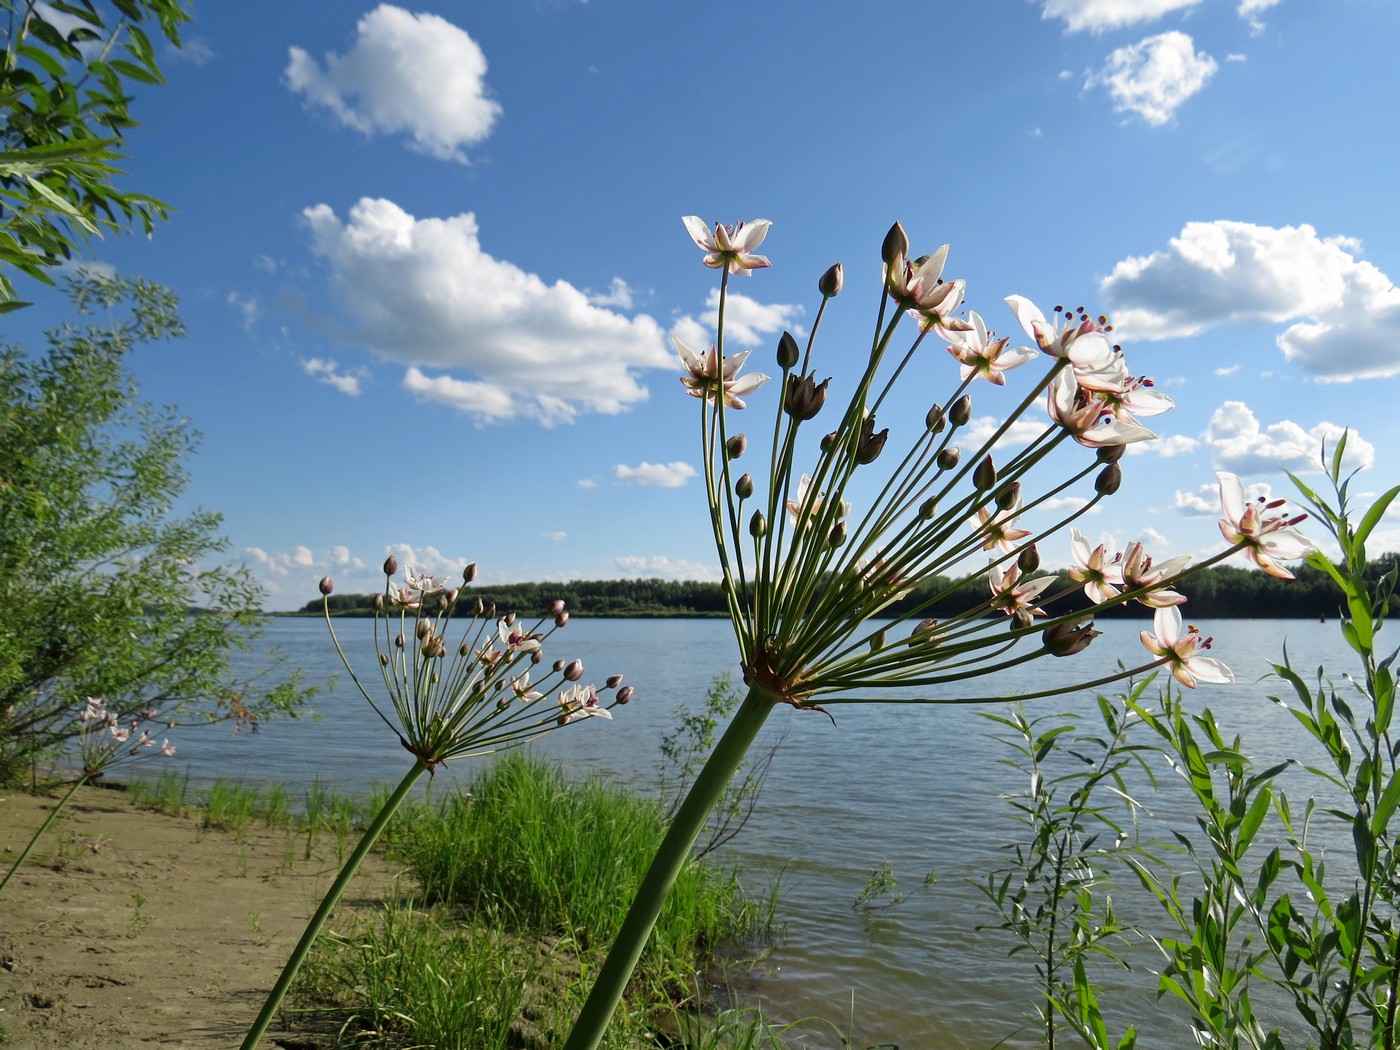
818,591
446,700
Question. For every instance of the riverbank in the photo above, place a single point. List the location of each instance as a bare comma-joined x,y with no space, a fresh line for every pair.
129,927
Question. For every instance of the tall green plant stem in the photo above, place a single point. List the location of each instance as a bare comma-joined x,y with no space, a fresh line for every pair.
670,857
43,828
329,902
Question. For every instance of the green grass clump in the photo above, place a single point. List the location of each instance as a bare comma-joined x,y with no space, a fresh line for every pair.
524,881
409,979
549,855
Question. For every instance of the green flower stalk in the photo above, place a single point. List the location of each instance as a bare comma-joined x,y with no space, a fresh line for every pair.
818,590
468,698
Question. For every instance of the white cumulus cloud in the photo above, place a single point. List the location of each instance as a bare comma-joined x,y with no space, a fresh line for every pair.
1099,15
663,475
1342,313
1241,444
329,372
1166,447
1154,76
413,73
424,292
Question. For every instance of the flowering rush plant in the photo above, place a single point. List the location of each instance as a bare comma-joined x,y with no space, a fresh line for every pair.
824,546
449,699
104,739
475,695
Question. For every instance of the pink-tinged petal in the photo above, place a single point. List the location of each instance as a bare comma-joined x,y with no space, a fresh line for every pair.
1015,357
1232,501
1208,669
1167,623
743,264
1096,364
1288,545
1079,546
700,232
749,383
1027,314
733,362
751,235
1142,402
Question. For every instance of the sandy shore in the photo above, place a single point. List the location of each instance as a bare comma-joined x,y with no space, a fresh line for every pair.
128,928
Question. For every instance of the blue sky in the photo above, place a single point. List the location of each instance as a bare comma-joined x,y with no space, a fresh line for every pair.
431,257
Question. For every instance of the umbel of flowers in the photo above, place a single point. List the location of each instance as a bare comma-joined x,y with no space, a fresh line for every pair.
813,576
448,696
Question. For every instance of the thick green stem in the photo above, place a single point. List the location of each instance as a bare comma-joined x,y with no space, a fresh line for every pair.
43,828
670,857
328,903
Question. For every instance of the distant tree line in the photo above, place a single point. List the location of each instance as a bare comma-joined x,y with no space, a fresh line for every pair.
1218,592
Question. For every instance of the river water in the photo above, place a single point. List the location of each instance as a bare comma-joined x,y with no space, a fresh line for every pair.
916,787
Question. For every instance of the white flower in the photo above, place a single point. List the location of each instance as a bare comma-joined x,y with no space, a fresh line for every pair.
1267,541
730,247
1181,651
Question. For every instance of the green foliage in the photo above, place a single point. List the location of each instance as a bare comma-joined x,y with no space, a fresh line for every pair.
1080,819
1320,927
98,574
68,74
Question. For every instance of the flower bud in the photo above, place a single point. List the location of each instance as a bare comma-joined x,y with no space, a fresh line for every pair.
1022,618
536,656
788,352
489,611
477,607
758,525
805,397
398,642
948,459
614,680
1111,453
383,659
935,419
509,618
831,282
985,474
828,443
736,446
1106,484
877,641
469,573
379,603
327,585
625,694
837,535
1066,639
743,488
1029,558
556,607
442,602
452,597
463,649
558,665
896,243
924,631
573,671
928,508
1007,497
961,411
871,444
561,619
422,630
